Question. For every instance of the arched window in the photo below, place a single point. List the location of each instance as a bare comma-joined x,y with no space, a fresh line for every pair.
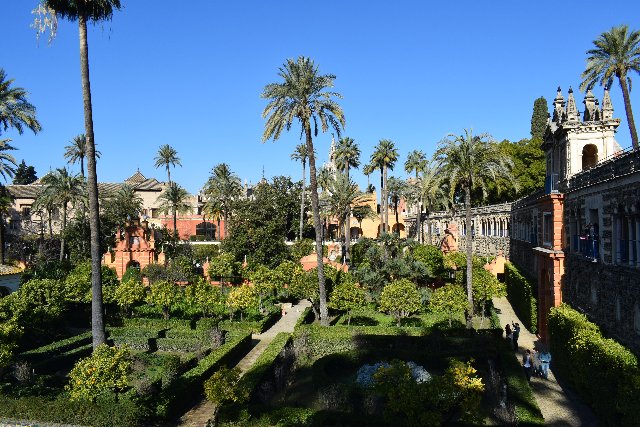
206,229
589,156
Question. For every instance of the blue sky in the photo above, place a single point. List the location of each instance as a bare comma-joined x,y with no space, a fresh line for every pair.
191,77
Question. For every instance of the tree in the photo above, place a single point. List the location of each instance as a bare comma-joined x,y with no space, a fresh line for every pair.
400,298
302,96
300,154
6,203
7,161
107,369
65,190
93,11
344,194
347,296
242,298
361,212
128,293
222,190
24,174
15,111
616,54
347,156
222,387
209,299
263,281
470,162
164,294
416,161
397,189
223,266
449,300
77,151
305,285
368,169
539,118
384,156
174,200
167,156
124,203
432,192
486,287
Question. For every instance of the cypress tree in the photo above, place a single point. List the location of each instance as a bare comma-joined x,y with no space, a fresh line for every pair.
539,118
24,174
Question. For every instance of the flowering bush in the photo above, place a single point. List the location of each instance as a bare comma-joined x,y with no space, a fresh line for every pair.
106,370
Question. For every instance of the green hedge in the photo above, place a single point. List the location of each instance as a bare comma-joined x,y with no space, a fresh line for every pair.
176,398
521,293
128,331
186,344
135,343
46,352
264,363
186,333
306,318
253,326
207,323
602,371
144,322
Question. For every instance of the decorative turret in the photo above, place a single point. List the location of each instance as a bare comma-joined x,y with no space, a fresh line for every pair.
573,115
558,106
607,106
589,107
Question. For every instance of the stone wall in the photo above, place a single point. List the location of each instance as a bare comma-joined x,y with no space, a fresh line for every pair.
487,245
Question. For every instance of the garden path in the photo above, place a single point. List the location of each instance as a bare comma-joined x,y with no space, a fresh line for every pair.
199,415
559,405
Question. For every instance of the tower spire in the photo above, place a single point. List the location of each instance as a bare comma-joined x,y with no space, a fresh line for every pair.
558,106
572,109
607,106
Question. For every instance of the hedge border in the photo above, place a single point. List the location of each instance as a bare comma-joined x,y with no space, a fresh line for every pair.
521,293
265,362
57,347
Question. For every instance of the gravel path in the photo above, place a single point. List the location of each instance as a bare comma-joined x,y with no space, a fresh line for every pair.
199,415
559,405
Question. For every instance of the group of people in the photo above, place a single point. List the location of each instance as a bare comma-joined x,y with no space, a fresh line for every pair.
535,363
512,334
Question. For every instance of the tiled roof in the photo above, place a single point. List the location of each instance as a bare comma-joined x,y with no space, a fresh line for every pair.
29,191
136,178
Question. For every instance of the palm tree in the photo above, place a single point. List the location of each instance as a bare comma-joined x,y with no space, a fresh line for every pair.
167,156
64,190
174,200
303,96
471,162
300,154
368,169
83,11
7,163
222,190
15,111
384,156
396,191
347,156
214,211
416,161
77,151
616,53
344,194
360,212
432,191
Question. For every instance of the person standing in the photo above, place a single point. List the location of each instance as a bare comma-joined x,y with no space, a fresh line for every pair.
508,334
527,364
545,359
516,335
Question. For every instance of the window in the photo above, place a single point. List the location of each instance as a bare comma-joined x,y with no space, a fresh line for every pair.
26,211
547,229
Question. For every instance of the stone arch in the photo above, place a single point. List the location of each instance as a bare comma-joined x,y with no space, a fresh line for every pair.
398,228
206,229
133,264
589,156
355,233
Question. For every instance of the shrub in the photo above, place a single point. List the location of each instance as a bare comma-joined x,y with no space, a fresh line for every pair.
129,292
264,363
347,296
78,283
485,287
179,344
431,256
242,299
450,300
143,323
400,299
106,370
222,387
604,372
521,293
164,294
38,302
132,273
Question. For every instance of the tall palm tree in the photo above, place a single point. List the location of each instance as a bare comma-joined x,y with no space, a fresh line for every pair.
384,156
7,169
65,190
167,156
344,194
416,161
174,200
300,154
77,151
368,169
222,190
432,191
303,96
6,202
470,162
83,12
396,191
15,111
347,156
212,208
616,53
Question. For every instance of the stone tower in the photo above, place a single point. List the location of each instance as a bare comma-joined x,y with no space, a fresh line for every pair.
573,143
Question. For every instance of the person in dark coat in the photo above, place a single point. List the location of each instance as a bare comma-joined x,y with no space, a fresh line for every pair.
516,335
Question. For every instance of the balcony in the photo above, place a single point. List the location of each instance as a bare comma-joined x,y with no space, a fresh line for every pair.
587,246
551,183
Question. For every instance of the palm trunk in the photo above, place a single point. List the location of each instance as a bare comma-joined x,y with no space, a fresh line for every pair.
1,238
386,199
469,235
302,202
82,165
50,224
429,229
219,229
64,227
97,320
419,212
382,228
315,206
627,109
395,207
175,224
347,256
169,175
